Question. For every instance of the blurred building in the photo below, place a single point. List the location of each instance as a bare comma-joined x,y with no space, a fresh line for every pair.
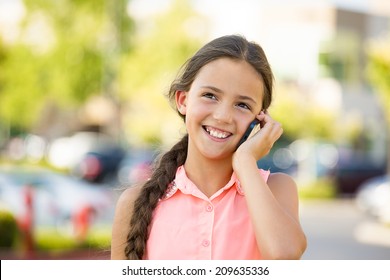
321,46
310,39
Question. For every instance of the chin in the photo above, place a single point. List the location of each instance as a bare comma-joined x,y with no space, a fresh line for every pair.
212,155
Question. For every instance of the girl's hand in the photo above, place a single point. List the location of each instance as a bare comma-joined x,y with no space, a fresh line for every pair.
260,144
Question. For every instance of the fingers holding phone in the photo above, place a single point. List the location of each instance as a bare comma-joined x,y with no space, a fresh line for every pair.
261,134
270,132
272,128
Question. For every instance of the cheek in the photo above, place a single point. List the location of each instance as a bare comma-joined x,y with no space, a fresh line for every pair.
198,110
243,123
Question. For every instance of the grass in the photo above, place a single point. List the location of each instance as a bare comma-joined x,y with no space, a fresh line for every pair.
51,239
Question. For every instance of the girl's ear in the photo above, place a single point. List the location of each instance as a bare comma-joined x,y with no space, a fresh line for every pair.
181,101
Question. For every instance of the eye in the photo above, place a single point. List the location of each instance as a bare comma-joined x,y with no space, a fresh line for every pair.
244,106
209,95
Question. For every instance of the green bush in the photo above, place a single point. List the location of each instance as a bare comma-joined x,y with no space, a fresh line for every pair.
323,188
8,229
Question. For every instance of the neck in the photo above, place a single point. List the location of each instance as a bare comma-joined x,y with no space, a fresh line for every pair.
208,175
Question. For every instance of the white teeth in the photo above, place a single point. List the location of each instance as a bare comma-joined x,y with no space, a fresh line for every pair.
217,134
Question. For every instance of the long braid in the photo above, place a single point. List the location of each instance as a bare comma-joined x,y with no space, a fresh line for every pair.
147,201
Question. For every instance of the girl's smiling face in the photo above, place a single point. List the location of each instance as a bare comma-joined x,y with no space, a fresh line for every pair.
224,98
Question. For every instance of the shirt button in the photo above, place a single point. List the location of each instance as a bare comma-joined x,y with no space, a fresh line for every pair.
205,243
209,208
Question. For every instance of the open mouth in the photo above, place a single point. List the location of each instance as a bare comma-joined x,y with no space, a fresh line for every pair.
216,132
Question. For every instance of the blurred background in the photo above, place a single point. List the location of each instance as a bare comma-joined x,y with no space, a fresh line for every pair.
83,113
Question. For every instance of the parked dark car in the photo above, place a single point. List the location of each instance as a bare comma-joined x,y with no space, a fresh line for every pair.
100,165
350,173
136,166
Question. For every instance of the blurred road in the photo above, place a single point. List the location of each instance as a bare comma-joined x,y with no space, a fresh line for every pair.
338,230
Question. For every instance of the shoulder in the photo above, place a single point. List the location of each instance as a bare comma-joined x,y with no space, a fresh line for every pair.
129,195
121,222
124,205
281,180
285,191
282,184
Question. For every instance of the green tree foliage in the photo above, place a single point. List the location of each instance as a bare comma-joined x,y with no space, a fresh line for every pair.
66,52
379,72
301,117
379,75
162,45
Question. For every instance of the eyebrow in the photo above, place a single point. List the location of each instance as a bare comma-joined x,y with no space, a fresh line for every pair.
241,97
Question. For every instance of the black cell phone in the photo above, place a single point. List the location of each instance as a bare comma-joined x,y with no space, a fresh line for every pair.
253,127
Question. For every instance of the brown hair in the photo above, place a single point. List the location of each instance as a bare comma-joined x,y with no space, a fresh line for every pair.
233,46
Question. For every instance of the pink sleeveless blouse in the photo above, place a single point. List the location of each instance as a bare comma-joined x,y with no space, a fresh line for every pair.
189,225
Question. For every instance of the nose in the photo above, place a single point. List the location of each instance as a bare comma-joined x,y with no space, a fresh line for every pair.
223,113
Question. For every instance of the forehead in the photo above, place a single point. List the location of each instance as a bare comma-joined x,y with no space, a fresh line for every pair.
231,75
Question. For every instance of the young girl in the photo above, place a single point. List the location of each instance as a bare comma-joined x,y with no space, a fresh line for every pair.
207,199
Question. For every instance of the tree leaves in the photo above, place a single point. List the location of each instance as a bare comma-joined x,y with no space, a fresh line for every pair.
64,55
